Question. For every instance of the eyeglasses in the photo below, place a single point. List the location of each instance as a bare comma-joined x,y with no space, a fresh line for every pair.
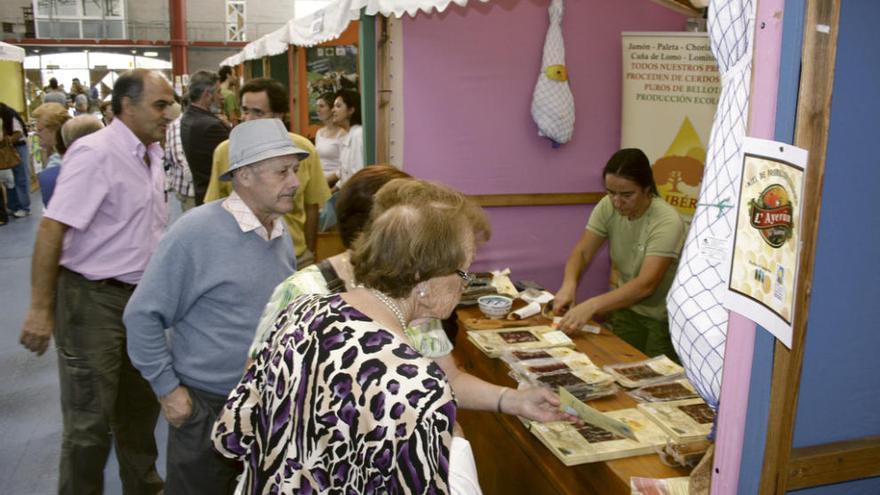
467,277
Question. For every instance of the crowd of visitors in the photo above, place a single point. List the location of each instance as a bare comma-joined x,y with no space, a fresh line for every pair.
223,321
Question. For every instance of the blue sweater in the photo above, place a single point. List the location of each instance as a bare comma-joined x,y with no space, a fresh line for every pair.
208,281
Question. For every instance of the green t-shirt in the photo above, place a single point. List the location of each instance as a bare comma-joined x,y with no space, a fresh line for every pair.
659,232
230,104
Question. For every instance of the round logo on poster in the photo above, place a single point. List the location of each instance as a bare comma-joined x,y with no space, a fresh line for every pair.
771,214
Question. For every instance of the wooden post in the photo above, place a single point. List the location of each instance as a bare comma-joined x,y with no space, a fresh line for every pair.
811,133
292,86
383,92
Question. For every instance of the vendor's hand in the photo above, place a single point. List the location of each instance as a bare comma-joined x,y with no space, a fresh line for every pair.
563,299
577,317
534,403
37,330
176,406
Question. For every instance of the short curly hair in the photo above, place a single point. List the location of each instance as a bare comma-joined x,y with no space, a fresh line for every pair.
419,230
417,191
408,244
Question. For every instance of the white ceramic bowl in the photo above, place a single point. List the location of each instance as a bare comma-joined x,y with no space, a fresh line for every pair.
495,306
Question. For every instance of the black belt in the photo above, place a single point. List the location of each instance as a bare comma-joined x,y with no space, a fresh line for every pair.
107,281
117,283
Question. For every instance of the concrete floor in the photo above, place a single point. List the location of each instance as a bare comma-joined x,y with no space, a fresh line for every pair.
30,414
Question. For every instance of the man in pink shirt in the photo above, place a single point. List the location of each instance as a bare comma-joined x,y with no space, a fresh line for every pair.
93,244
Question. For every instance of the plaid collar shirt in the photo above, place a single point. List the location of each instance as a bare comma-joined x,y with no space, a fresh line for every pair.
178,177
248,221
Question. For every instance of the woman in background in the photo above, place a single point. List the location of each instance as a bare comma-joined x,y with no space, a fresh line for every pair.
327,141
346,119
347,116
15,132
80,105
50,117
72,130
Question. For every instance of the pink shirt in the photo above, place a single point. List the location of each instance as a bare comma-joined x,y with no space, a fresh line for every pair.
113,203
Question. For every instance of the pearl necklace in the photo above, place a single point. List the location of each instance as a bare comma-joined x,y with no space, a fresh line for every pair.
392,306
347,262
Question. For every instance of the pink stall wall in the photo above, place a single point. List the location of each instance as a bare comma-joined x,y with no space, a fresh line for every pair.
468,80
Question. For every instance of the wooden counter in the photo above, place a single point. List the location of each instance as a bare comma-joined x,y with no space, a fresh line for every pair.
510,460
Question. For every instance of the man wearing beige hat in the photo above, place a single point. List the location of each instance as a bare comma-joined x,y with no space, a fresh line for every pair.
208,282
264,98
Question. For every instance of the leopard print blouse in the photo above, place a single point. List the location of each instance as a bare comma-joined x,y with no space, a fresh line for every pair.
334,403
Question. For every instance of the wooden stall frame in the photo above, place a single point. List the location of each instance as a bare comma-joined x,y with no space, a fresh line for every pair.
329,243
384,92
681,6
537,199
786,468
389,91
293,85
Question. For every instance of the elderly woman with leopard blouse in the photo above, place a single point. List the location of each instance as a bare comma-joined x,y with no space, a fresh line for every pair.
337,399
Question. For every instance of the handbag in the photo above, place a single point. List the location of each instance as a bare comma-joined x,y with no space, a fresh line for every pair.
9,157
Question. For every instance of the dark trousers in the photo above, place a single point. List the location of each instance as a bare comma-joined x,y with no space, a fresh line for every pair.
19,197
645,334
194,467
103,397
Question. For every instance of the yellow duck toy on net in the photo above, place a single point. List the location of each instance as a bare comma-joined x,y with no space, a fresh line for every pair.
556,72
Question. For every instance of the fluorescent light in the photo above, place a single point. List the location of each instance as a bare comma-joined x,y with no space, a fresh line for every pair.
151,54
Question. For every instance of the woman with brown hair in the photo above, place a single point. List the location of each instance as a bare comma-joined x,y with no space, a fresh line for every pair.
327,139
72,130
347,116
50,117
645,236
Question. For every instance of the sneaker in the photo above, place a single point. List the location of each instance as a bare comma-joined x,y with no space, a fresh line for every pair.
20,213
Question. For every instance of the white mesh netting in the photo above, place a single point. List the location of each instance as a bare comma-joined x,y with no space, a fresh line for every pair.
697,318
552,101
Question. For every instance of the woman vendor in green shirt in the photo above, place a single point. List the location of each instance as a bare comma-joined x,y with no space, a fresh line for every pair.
645,236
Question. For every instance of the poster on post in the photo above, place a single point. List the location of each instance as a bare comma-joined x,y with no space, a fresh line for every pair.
329,69
766,241
671,88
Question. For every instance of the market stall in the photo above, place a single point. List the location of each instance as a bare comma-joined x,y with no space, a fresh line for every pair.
12,76
453,104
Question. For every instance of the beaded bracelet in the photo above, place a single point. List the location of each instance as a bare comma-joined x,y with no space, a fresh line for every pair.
501,396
